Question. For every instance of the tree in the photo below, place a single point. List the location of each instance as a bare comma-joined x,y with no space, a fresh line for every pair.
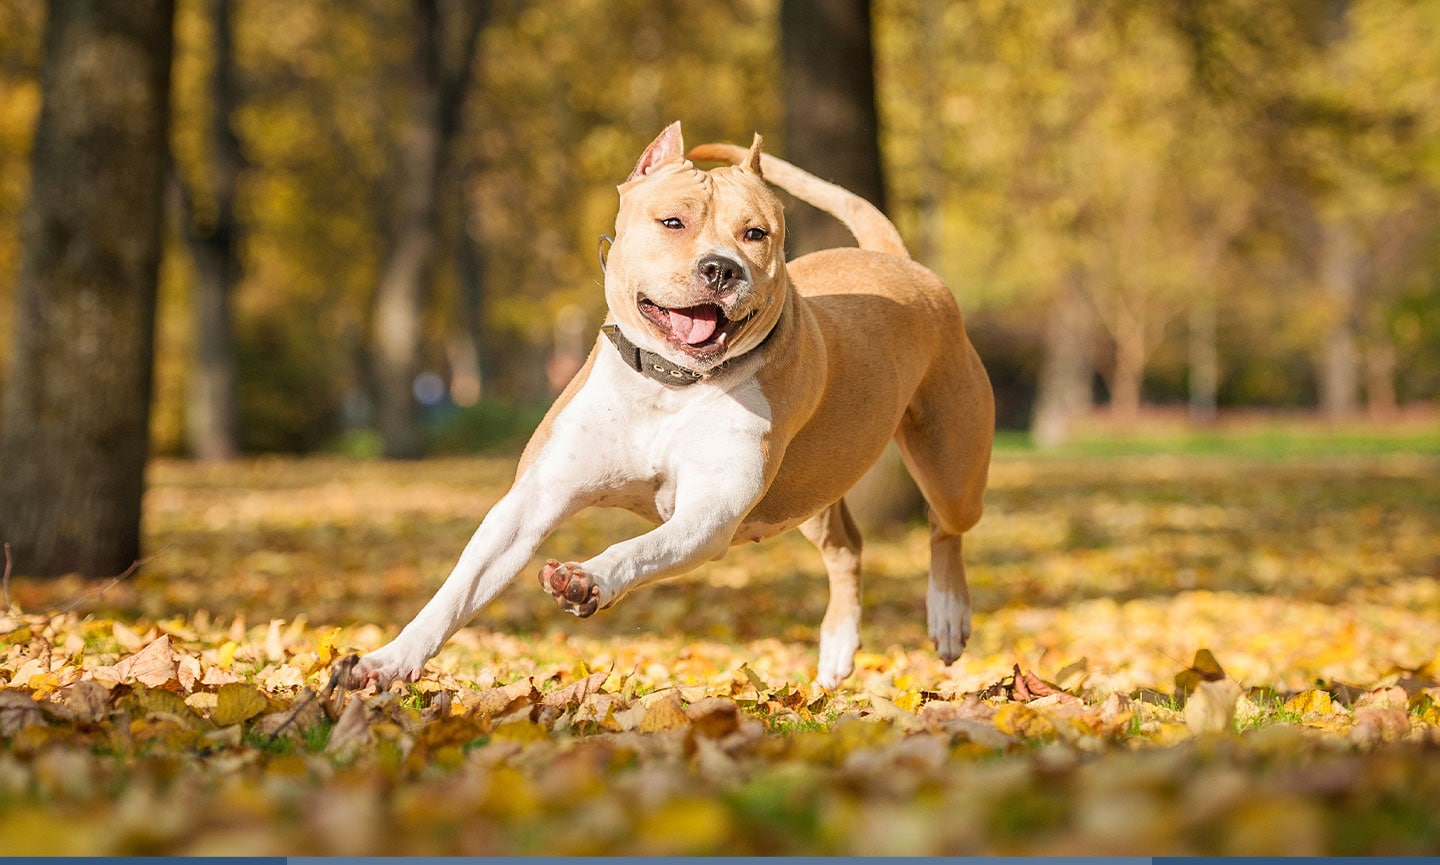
438,77
214,236
74,430
831,123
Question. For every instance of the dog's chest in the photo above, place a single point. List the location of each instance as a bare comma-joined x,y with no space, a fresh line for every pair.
643,441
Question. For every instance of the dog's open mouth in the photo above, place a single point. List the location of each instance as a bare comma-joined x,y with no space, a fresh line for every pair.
703,329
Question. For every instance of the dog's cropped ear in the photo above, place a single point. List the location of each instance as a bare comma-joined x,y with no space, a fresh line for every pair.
668,147
752,159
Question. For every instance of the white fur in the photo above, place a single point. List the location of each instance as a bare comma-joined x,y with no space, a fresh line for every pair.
693,455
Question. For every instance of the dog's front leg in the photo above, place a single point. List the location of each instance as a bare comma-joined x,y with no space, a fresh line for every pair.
497,552
700,529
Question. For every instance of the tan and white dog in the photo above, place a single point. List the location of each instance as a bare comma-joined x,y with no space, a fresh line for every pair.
734,396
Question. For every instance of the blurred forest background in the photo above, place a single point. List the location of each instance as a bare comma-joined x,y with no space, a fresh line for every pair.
380,217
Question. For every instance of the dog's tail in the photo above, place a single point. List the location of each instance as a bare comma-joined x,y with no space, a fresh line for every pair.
871,227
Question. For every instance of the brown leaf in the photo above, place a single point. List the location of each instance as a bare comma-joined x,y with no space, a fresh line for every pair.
87,701
664,714
577,692
352,731
501,701
1392,697
1203,669
153,666
17,711
305,712
938,713
1374,725
714,717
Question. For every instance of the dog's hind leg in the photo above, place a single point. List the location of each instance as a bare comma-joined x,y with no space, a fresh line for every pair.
834,532
944,439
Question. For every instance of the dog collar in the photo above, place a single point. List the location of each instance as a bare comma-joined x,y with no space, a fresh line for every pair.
652,365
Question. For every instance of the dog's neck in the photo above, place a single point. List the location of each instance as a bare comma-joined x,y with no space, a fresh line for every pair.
654,366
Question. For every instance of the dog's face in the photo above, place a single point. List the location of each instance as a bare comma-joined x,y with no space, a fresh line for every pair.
696,272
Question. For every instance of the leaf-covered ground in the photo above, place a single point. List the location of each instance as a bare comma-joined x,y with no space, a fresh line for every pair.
185,708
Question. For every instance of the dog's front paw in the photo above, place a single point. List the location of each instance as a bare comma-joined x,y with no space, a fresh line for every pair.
573,589
378,668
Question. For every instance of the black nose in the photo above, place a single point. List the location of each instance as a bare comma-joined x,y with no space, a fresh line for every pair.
720,272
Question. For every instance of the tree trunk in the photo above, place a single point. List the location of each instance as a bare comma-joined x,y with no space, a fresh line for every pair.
74,434
1204,359
831,123
1339,365
831,130
1065,373
211,412
437,87
1129,373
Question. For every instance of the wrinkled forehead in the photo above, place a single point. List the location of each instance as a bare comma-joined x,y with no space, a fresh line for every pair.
682,184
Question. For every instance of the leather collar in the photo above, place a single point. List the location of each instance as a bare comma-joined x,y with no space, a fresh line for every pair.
652,365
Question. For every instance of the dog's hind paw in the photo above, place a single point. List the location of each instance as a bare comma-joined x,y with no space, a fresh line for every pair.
573,589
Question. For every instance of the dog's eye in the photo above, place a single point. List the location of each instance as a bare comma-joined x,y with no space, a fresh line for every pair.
673,222
754,234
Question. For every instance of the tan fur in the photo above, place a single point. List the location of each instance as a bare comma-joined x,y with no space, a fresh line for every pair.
808,369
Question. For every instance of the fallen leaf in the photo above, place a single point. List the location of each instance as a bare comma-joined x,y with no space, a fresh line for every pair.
1374,725
1203,669
1311,702
495,702
713,717
153,666
1211,708
577,692
17,711
1023,722
236,703
88,701
664,714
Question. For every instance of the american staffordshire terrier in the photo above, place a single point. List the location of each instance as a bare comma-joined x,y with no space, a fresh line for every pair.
732,396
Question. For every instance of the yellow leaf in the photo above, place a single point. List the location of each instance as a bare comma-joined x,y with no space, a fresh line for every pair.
238,702
910,702
326,646
1019,720
523,732
511,792
685,825
43,684
1311,702
227,654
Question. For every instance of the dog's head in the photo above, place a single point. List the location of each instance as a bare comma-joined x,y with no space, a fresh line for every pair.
697,270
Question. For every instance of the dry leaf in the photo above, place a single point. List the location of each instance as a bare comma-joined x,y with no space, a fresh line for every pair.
236,703
577,692
17,711
88,701
1203,669
352,731
153,666
501,701
1374,725
1311,702
664,714
1211,708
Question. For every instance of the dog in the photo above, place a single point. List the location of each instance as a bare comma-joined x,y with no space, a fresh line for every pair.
732,396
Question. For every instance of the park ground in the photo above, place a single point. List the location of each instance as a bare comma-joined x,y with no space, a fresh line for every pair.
1223,644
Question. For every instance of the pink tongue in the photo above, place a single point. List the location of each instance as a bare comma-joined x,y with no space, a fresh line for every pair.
694,325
